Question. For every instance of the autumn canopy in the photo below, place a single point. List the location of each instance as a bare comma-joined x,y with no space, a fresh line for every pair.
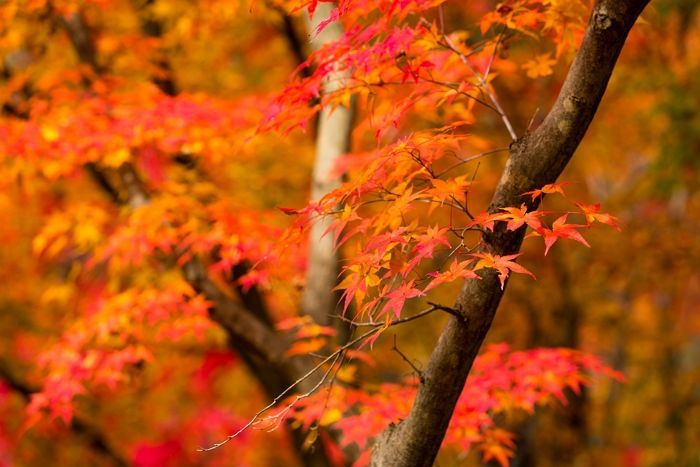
235,225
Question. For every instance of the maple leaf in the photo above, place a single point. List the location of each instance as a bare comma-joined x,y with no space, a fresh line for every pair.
496,451
547,189
484,219
347,215
540,66
503,264
593,214
398,296
517,217
425,248
560,229
457,270
305,346
454,187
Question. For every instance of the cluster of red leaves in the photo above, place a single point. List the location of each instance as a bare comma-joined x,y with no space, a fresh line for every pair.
406,58
502,381
109,340
397,257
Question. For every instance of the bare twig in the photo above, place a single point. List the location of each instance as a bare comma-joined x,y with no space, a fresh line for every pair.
471,158
396,349
257,417
395,322
484,85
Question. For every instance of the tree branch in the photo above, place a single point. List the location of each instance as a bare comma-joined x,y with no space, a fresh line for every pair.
535,160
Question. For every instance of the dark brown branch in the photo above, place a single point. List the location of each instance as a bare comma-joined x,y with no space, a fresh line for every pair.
101,179
455,313
535,160
24,389
165,81
295,44
81,38
252,299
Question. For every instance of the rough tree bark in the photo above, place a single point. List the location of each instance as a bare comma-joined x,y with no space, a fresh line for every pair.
535,160
332,140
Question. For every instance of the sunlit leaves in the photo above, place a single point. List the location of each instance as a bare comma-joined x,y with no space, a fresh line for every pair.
457,270
308,336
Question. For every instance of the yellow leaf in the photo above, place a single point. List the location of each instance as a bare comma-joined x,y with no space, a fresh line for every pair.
330,416
117,158
49,133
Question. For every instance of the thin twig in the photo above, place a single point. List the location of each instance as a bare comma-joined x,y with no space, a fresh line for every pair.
383,323
396,349
466,195
276,419
334,356
485,87
471,158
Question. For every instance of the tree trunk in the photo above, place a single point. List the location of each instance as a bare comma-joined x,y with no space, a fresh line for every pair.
535,160
333,140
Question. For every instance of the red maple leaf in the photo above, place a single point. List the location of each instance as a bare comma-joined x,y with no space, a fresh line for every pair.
560,229
398,296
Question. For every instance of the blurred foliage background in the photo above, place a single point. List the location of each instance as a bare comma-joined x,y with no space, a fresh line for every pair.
633,298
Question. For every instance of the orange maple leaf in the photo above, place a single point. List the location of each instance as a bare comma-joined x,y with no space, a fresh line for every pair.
457,270
503,264
593,214
517,217
539,66
547,189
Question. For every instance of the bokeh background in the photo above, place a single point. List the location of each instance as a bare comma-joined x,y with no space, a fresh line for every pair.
633,298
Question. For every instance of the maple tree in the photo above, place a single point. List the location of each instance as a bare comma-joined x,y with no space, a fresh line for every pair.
147,152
